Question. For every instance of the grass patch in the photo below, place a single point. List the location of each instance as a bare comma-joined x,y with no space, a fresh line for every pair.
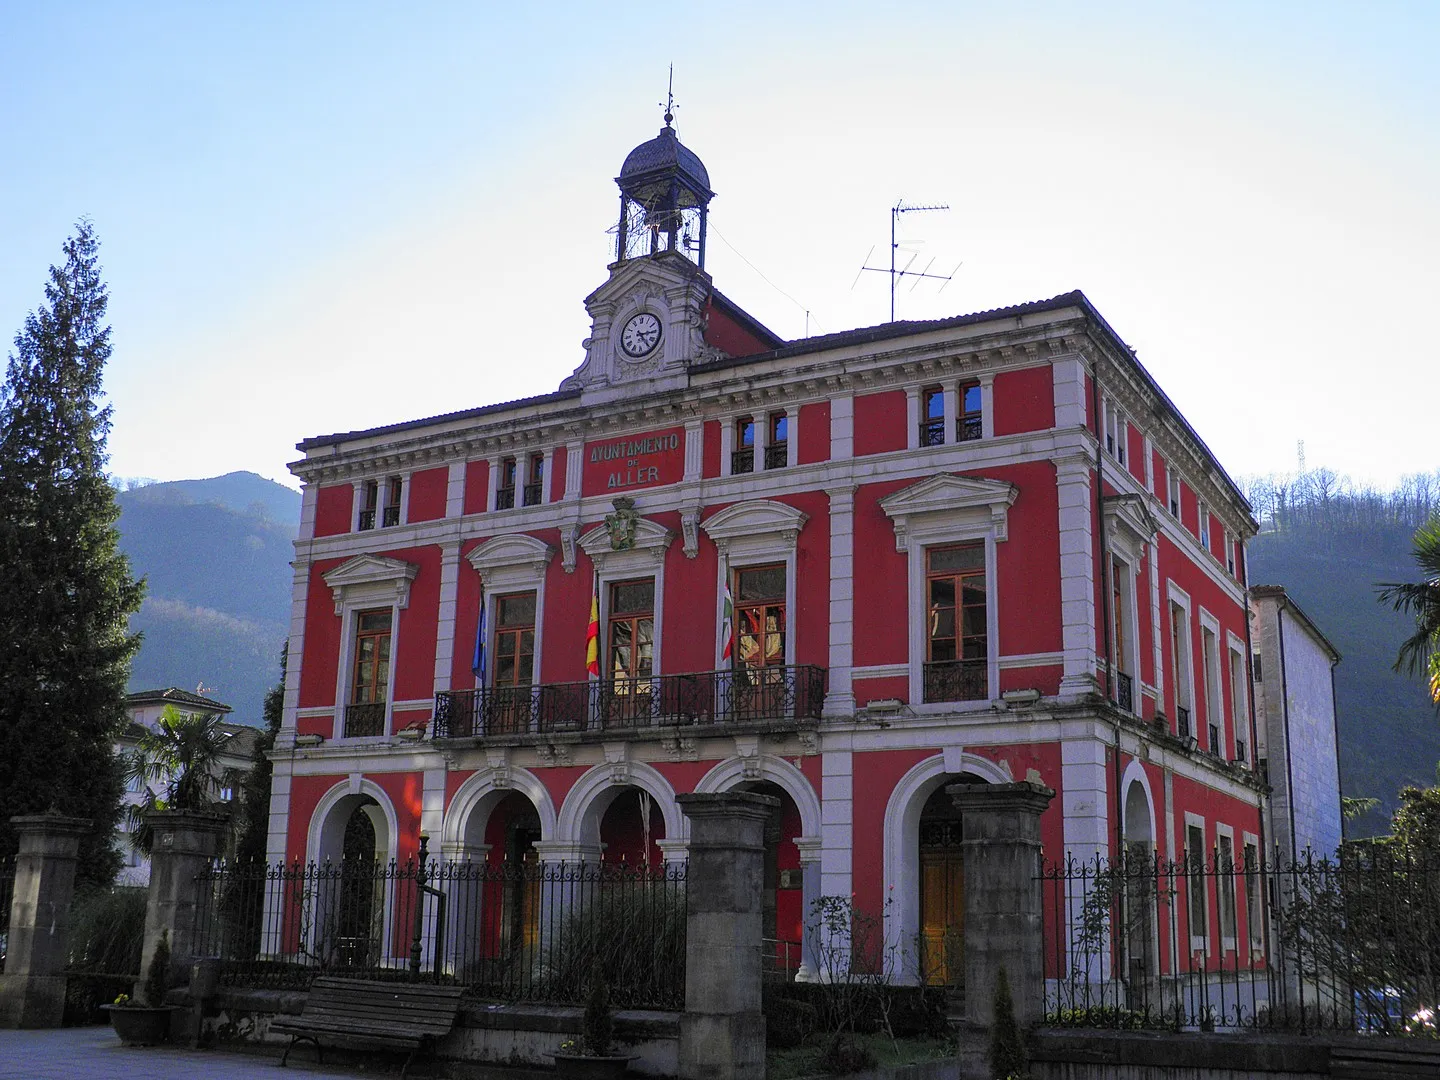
803,1060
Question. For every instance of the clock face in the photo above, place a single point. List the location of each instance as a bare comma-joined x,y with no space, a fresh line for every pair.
641,335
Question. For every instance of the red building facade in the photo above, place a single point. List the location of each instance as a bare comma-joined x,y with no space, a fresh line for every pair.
845,570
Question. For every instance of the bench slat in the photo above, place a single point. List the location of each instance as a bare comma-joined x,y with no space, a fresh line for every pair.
369,1013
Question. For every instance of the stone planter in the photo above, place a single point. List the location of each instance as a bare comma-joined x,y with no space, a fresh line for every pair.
586,1067
139,1025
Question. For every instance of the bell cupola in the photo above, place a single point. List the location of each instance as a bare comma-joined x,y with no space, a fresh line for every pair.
664,195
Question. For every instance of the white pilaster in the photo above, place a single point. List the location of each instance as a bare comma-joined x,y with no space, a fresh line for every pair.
951,395
1156,641
1077,574
836,822
694,449
792,436
840,697
308,495
574,468
987,405
357,504
493,484
912,417
842,427
727,444
1085,805
445,632
1069,381
455,490
548,479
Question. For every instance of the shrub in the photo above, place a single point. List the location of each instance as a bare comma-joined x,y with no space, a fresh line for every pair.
632,939
598,1024
914,1010
845,1054
1007,1043
157,976
788,1020
107,932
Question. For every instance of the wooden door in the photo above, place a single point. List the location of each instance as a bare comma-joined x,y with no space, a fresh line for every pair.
942,903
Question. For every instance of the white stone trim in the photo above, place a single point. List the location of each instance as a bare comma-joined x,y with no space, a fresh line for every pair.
309,494
913,398
880,671
842,427
987,405
355,784
578,822
1198,942
368,582
694,450
734,771
1077,574
949,509
480,791
1030,660
445,629
753,534
901,834
512,563
1135,774
455,490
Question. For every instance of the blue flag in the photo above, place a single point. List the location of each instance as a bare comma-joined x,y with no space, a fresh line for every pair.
477,662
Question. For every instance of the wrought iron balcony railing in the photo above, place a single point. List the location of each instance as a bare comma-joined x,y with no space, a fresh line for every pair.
956,680
794,693
932,433
532,494
1124,691
367,520
742,461
1182,721
390,517
1215,747
366,719
505,498
967,428
777,456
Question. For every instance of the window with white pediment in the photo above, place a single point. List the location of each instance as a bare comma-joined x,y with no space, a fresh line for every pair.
512,582
948,527
757,541
369,592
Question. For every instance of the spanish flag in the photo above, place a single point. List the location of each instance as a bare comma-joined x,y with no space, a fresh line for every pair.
592,635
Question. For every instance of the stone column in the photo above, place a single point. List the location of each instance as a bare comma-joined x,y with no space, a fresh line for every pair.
32,989
185,842
1004,924
722,1031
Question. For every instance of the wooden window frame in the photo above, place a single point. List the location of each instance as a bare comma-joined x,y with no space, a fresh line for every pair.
969,423
960,638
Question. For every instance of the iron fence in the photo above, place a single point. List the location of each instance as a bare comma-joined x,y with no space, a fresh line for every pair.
794,693
1229,941
512,931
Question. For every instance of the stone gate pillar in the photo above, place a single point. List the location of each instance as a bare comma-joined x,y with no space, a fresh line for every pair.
1004,923
32,989
722,1031
185,842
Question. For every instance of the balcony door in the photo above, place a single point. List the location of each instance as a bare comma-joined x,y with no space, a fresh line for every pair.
760,629
957,654
514,663
631,636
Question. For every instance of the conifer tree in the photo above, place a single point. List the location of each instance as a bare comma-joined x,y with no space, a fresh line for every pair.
66,591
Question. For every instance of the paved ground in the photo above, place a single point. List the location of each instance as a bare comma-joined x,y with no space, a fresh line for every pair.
94,1053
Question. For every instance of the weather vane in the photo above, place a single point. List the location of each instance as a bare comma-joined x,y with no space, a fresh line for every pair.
670,98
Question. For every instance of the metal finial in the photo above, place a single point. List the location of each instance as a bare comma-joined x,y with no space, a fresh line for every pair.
670,98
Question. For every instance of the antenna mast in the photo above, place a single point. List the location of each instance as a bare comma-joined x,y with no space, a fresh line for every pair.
901,207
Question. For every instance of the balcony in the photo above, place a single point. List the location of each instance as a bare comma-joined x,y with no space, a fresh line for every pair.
391,517
932,433
1125,691
968,428
777,456
505,498
772,695
532,493
1182,721
956,680
742,461
364,720
367,520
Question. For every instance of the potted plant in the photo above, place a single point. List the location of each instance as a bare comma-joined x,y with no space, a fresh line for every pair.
593,1056
147,1024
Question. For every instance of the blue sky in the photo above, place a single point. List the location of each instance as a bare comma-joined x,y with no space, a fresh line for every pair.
319,217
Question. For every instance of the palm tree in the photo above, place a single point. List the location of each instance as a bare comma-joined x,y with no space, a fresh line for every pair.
177,765
1420,653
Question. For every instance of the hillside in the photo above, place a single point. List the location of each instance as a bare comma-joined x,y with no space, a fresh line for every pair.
216,555
1330,554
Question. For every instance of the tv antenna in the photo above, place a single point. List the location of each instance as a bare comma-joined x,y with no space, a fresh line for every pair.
902,207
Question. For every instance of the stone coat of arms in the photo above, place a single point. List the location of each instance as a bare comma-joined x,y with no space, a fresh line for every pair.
622,524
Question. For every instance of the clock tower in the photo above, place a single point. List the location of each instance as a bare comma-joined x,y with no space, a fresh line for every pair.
648,320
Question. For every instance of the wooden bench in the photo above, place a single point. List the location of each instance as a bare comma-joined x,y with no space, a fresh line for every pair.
362,1013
